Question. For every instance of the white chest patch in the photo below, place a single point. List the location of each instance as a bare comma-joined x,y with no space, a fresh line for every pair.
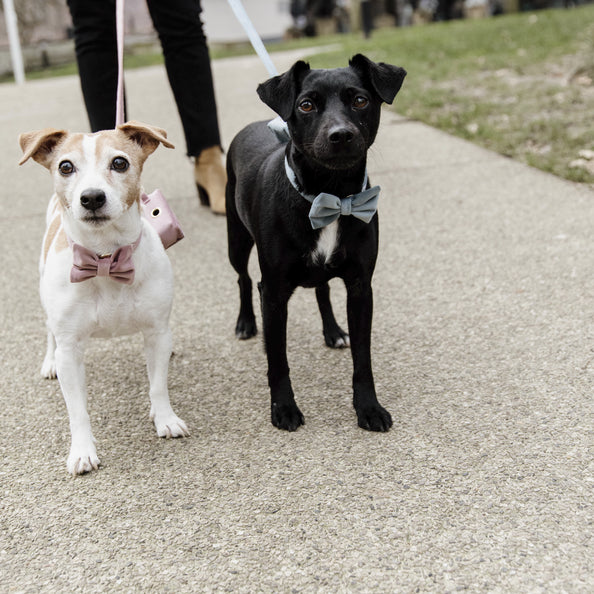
327,242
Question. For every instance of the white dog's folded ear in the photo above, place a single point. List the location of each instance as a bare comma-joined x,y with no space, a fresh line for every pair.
146,136
40,145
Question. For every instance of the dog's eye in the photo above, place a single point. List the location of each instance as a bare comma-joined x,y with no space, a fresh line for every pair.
119,164
359,102
66,168
306,106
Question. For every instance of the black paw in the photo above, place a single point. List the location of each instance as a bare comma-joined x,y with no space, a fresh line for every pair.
245,329
374,418
286,416
337,338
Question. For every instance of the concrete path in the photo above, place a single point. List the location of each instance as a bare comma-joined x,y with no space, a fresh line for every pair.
483,350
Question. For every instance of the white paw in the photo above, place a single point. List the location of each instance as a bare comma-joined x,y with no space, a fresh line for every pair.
169,425
82,459
48,369
342,342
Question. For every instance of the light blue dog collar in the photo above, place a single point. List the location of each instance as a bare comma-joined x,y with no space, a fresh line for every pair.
280,129
326,208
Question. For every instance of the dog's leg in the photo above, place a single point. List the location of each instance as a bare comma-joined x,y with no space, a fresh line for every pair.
157,346
334,335
48,368
71,374
240,244
370,414
284,411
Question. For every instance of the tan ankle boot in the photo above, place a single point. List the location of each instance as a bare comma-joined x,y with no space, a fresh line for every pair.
211,178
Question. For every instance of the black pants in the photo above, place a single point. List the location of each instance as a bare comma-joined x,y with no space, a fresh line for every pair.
186,59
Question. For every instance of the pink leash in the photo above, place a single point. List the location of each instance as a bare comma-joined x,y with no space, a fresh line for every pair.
120,47
154,205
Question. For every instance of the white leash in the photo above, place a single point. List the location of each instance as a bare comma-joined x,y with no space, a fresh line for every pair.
277,125
253,36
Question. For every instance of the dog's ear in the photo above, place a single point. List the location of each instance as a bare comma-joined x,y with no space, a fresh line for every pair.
146,136
40,145
280,92
385,79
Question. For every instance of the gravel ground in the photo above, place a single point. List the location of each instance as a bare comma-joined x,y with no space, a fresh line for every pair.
482,352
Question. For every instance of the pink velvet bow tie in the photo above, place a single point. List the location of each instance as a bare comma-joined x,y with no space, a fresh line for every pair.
118,266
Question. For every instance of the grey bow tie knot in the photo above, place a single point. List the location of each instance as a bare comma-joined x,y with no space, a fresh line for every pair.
326,208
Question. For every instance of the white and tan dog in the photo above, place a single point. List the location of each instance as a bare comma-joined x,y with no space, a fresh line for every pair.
104,271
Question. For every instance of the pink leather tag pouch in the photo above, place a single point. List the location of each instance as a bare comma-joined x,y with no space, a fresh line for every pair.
158,213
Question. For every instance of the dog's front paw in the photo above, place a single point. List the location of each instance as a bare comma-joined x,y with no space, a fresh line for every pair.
170,425
48,368
245,328
374,418
337,339
286,416
82,459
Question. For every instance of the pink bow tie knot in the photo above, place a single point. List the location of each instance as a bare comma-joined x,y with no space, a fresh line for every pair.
118,266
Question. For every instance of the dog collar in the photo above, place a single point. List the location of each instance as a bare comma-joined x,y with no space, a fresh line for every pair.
326,208
280,129
118,265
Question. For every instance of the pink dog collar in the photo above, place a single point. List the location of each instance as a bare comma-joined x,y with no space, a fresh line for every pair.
118,265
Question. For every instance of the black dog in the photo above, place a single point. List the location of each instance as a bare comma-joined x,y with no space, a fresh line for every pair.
333,117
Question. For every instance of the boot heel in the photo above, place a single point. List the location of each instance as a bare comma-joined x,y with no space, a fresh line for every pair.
211,178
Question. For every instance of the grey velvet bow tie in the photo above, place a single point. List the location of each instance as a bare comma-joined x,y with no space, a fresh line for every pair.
326,208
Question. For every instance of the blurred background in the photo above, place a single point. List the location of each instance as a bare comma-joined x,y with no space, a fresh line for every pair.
515,76
45,23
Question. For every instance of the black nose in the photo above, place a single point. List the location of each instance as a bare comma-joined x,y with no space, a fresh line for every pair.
340,134
92,199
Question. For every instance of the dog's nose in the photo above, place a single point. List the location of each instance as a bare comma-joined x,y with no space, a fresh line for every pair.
339,134
92,199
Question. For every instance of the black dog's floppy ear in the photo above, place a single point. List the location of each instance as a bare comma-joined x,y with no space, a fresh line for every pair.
384,78
280,92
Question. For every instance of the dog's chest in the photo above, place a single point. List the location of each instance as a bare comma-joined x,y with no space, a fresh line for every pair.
103,308
124,310
326,244
116,312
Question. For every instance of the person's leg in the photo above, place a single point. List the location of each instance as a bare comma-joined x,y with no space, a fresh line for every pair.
96,55
188,67
187,62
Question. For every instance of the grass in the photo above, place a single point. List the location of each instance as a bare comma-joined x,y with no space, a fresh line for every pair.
516,84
